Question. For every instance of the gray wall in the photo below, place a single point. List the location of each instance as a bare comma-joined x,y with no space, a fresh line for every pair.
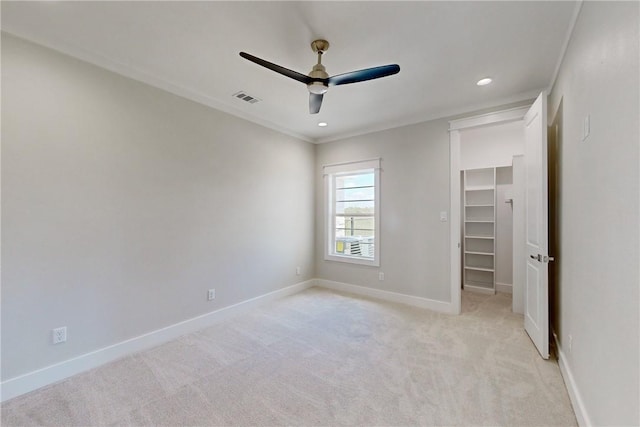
414,188
122,204
597,289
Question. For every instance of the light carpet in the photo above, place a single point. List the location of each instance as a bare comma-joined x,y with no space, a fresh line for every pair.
322,358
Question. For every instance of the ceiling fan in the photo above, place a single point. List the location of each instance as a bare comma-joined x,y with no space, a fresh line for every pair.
318,81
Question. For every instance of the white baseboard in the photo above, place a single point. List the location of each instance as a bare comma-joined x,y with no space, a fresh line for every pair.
440,306
505,288
576,399
48,375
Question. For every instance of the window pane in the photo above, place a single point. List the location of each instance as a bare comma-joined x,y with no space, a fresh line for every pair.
365,179
359,207
358,193
340,232
357,247
355,195
355,226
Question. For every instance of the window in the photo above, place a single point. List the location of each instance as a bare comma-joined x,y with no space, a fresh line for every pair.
352,205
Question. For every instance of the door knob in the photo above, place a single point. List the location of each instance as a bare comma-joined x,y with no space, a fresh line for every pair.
541,258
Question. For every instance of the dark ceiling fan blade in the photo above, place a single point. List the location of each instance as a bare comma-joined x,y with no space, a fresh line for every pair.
364,75
277,68
315,102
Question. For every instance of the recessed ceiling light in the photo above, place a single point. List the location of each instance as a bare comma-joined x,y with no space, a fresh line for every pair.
322,124
484,82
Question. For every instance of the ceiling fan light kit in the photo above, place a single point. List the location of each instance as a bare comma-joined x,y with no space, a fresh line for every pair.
317,88
318,81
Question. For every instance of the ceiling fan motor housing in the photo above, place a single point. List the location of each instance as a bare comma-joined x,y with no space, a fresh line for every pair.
318,87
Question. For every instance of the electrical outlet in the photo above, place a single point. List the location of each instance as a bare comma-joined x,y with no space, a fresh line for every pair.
297,271
381,276
211,295
59,335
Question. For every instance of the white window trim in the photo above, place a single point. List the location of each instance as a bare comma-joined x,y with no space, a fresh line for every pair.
328,171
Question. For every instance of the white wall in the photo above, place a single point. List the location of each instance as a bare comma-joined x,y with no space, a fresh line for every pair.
504,229
123,204
598,205
414,186
492,145
519,252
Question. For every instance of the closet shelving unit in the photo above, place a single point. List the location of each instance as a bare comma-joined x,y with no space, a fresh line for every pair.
479,230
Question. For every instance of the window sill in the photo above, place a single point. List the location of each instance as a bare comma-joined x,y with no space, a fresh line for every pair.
352,260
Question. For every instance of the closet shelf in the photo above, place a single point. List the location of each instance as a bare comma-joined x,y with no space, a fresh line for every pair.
479,188
468,236
479,253
472,205
479,220
467,267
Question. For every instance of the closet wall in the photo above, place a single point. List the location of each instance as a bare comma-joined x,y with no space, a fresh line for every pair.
491,146
504,228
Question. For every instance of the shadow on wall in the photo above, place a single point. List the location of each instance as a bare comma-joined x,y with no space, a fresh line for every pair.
554,141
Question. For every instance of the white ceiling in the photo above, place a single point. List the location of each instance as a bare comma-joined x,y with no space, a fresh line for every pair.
191,49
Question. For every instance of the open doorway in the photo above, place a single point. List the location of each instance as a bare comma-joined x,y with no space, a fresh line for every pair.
482,210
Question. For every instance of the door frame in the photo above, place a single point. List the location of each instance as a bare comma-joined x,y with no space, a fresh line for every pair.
455,126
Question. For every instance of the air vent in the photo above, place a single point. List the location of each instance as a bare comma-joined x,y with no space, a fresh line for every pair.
246,97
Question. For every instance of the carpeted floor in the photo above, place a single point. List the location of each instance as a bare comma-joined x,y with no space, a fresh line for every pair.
322,358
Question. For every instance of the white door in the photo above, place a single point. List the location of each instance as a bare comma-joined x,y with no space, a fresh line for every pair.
536,314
